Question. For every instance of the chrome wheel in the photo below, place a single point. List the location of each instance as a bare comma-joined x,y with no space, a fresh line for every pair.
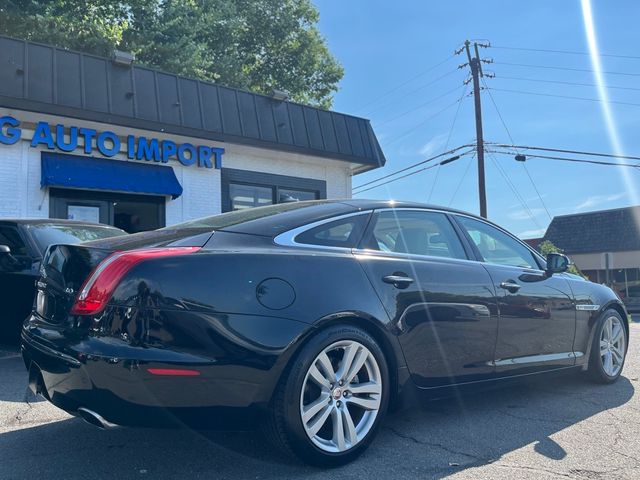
612,346
341,396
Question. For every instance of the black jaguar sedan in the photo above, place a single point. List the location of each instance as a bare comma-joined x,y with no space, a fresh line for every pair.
23,243
319,315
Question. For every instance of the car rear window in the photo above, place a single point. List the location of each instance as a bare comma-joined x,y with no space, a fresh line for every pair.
50,234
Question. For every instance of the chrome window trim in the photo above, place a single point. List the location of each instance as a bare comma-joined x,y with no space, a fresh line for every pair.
288,238
409,256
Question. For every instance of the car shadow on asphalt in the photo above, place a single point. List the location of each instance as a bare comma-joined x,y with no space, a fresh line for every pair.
440,437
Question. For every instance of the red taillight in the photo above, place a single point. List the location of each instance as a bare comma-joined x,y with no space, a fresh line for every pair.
98,288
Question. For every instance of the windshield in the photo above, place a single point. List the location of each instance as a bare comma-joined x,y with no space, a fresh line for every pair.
240,216
48,234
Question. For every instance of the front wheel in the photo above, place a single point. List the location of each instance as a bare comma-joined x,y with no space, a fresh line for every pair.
609,348
330,402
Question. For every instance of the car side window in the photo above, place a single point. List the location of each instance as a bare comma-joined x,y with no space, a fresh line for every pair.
496,246
345,232
10,237
415,232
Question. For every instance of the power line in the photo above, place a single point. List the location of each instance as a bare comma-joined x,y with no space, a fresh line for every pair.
430,159
410,92
398,178
566,52
419,125
443,162
406,82
513,189
466,170
446,145
418,107
570,159
504,124
495,106
569,97
564,150
544,205
550,67
559,82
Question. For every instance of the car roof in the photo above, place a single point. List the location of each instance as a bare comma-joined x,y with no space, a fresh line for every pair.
366,204
316,210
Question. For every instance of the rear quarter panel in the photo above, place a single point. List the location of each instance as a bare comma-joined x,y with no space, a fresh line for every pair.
207,304
308,286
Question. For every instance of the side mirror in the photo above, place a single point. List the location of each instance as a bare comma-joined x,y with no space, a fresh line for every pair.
4,249
557,263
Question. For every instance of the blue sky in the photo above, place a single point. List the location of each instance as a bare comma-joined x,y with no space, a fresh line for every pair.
383,44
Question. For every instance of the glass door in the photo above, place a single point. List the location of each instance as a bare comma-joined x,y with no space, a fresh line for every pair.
131,213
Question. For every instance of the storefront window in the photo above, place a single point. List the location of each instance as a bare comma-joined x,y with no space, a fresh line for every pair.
249,196
631,291
624,281
288,195
243,196
243,189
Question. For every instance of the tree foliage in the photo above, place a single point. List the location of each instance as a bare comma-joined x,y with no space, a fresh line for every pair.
254,44
547,247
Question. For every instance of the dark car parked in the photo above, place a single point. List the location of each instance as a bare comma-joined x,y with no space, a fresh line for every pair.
22,245
317,314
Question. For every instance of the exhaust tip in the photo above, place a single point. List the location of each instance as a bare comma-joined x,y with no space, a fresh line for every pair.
95,419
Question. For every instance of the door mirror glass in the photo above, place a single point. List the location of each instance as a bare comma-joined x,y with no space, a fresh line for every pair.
557,263
4,249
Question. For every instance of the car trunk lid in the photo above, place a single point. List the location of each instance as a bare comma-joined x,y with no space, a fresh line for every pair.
66,268
63,271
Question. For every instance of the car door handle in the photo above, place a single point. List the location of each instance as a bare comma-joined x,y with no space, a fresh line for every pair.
511,286
398,281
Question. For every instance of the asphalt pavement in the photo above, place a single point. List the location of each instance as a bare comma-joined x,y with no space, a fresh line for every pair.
559,428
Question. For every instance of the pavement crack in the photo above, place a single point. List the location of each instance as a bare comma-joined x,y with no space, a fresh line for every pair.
441,446
587,474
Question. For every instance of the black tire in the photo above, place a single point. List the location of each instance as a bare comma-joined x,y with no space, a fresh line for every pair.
596,371
284,425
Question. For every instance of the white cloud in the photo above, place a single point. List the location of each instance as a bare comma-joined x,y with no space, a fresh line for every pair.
532,233
523,214
597,200
528,200
434,145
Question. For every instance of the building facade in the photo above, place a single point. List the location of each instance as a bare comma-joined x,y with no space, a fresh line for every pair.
605,246
87,138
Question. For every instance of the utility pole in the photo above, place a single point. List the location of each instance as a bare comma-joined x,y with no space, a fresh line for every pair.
475,64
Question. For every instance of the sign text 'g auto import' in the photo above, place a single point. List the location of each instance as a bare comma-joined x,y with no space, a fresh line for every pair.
108,144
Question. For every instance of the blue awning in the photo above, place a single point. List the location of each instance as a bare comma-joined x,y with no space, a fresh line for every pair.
73,171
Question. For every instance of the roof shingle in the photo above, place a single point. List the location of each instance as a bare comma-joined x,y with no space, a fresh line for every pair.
47,79
601,231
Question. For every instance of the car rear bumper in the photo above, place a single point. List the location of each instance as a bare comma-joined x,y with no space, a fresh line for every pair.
150,386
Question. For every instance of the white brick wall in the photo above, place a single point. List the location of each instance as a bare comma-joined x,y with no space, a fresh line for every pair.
21,195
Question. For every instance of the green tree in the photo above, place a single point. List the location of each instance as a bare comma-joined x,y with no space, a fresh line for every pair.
548,247
254,44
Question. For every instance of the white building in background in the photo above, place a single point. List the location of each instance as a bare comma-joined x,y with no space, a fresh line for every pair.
605,246
83,137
